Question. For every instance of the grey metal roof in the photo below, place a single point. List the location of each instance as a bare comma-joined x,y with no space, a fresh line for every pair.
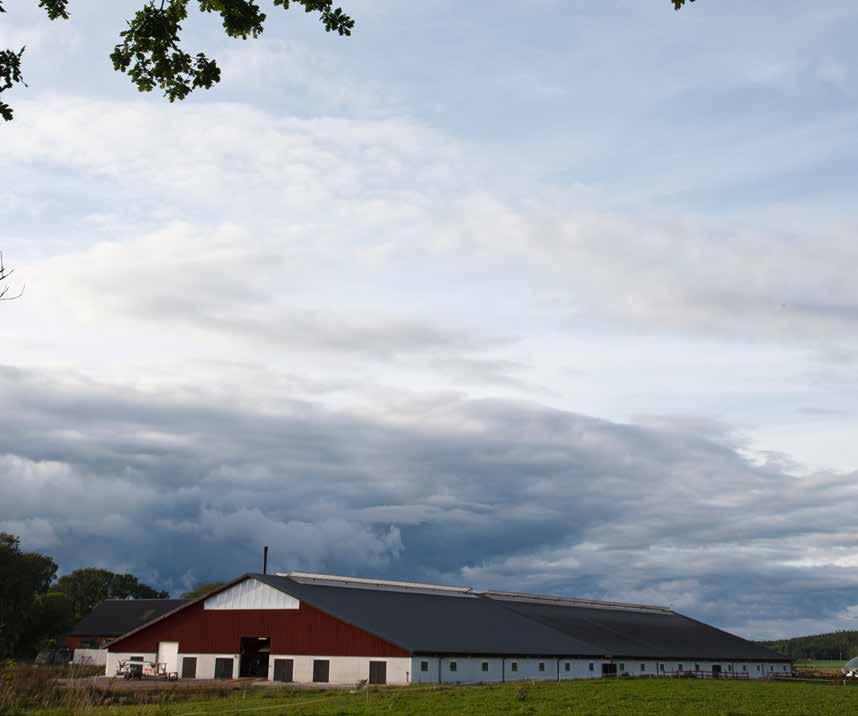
426,623
119,616
517,625
651,633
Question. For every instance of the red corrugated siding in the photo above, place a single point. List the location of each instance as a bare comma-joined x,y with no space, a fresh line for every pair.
305,630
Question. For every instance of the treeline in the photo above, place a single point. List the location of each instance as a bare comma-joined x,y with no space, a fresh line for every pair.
838,645
36,608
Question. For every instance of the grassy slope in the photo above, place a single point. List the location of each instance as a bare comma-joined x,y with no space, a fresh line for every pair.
643,697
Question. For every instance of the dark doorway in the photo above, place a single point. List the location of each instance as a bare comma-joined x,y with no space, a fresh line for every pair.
716,671
254,656
378,672
283,670
609,669
189,667
321,671
223,668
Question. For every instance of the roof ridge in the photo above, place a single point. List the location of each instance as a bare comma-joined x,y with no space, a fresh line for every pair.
574,601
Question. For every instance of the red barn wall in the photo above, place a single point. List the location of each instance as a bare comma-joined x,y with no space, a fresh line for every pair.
302,631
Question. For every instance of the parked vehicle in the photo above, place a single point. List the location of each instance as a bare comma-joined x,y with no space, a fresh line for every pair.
145,670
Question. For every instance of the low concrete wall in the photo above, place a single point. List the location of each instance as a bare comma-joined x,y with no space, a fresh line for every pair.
91,657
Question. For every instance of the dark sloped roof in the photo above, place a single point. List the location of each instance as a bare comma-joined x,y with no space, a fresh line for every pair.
651,633
484,624
119,616
434,623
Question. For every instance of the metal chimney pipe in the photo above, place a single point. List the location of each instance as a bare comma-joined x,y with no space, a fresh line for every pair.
265,560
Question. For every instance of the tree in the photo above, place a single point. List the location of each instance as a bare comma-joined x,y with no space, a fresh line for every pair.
24,576
202,589
4,274
85,588
52,616
150,51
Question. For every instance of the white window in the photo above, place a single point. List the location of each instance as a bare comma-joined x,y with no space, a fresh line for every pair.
514,666
424,666
542,666
643,667
453,666
485,666
568,666
592,668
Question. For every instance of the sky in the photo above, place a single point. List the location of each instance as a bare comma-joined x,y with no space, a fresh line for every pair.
540,296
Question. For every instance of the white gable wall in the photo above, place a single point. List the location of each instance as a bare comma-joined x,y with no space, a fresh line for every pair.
251,594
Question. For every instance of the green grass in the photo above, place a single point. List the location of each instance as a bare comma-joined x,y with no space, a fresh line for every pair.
642,697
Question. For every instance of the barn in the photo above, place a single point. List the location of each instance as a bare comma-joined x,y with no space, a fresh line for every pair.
110,619
313,628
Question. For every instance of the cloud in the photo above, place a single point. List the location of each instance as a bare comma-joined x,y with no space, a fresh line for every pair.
388,200
490,493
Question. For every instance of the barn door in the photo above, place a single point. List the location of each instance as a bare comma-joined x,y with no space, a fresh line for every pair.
168,655
223,668
283,670
378,672
189,667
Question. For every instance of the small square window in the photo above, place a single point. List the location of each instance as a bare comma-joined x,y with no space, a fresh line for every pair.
542,666
424,666
485,666
568,666
514,666
453,666
591,667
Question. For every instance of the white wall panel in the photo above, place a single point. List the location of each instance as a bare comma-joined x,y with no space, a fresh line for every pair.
251,594
206,664
580,669
469,669
348,670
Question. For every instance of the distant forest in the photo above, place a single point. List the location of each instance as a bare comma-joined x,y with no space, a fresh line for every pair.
839,645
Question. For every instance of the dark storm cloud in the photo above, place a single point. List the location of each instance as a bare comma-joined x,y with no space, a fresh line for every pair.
493,493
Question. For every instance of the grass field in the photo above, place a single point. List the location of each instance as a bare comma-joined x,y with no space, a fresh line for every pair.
639,697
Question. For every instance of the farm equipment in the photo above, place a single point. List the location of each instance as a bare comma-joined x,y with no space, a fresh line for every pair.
150,670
